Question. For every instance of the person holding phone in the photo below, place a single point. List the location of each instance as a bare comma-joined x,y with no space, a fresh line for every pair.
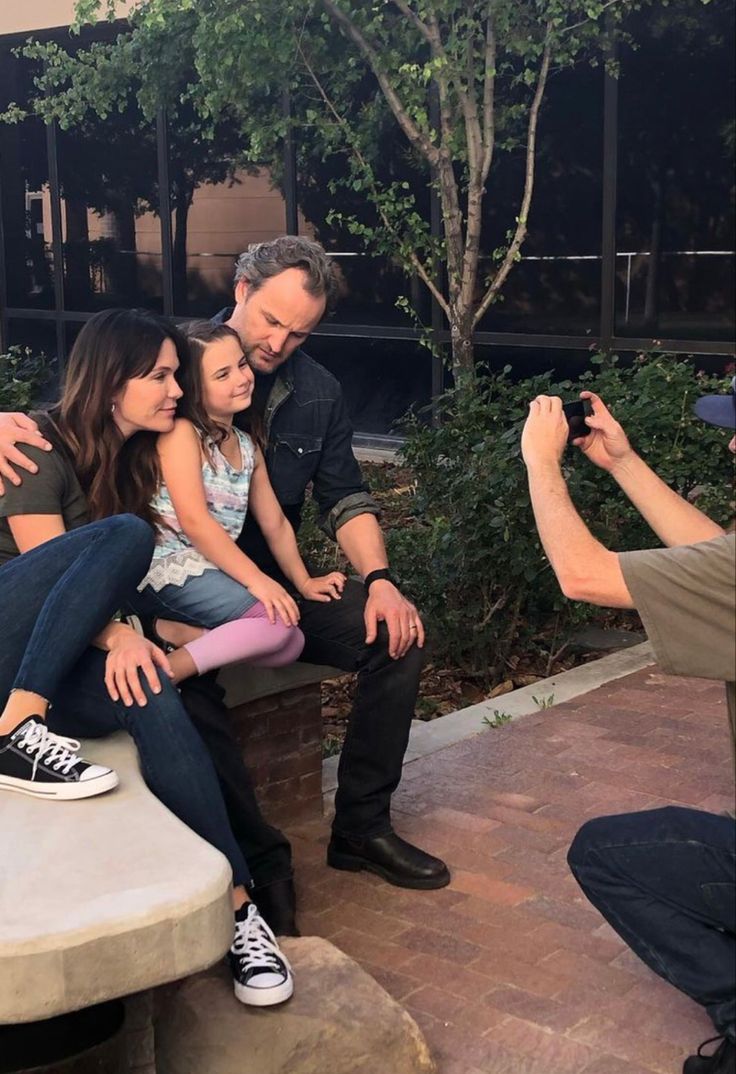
664,879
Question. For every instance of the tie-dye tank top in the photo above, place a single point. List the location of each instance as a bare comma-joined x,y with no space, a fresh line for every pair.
175,558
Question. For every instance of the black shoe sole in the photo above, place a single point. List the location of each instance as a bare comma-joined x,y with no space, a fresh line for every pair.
352,863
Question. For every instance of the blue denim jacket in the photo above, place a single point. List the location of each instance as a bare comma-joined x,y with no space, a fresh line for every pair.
309,439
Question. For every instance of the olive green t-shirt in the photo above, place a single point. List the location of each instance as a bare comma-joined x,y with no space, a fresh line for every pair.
686,597
53,490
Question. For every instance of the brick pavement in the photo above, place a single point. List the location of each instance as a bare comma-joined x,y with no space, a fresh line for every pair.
509,970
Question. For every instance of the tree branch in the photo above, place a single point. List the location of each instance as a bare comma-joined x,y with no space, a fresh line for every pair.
584,22
489,86
521,225
414,260
410,129
405,10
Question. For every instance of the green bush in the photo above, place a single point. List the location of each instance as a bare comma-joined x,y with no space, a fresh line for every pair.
471,558
21,376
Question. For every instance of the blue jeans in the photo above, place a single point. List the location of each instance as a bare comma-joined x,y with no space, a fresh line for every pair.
174,761
57,597
53,601
665,880
209,601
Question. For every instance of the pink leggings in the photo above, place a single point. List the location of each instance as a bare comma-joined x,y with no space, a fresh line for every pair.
251,638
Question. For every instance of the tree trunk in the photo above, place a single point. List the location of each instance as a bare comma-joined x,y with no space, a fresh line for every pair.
463,361
124,266
77,253
183,193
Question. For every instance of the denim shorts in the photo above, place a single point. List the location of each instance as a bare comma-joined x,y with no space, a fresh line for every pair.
209,601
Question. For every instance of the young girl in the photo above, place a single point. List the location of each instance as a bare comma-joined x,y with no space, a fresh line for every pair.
209,602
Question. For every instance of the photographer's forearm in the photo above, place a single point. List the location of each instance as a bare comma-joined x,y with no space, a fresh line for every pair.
583,567
674,520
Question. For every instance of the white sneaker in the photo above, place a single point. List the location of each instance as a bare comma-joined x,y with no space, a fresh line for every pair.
35,761
262,974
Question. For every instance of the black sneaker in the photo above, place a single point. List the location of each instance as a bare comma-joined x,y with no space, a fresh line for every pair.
35,761
262,975
721,1061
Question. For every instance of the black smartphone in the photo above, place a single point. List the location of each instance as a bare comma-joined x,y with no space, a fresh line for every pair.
576,413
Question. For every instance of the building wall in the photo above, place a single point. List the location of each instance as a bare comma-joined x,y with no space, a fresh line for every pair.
16,18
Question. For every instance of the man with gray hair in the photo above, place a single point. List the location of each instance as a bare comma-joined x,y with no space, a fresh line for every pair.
282,290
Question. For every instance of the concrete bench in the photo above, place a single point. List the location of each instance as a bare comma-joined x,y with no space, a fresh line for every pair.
103,897
113,895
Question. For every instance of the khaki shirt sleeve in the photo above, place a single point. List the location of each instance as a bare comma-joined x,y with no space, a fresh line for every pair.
686,597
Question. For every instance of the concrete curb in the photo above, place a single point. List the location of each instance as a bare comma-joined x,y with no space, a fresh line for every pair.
426,738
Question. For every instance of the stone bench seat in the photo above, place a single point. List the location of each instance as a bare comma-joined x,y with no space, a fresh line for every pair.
113,895
103,897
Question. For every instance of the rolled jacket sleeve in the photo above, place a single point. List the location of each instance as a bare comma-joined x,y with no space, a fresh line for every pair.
339,489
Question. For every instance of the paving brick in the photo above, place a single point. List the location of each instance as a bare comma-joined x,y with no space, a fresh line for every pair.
456,979
436,1001
510,970
398,985
621,1042
359,946
554,1051
609,1064
486,887
540,1010
466,822
589,973
602,948
440,944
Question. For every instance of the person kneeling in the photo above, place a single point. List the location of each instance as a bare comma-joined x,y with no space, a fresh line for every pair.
664,879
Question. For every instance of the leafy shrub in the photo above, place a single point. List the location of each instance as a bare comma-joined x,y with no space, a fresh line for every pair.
471,557
21,376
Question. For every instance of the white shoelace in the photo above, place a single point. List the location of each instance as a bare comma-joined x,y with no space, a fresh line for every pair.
256,945
52,750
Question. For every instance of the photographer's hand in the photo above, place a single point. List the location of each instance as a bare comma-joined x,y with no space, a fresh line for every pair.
673,519
607,446
545,433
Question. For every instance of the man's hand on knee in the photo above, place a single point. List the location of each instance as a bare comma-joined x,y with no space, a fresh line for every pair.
386,604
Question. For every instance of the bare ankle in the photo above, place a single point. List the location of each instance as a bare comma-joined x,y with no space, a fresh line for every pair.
175,633
20,705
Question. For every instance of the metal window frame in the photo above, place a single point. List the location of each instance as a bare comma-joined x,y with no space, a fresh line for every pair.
605,340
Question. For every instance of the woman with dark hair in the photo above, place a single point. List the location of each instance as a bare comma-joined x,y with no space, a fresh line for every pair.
121,392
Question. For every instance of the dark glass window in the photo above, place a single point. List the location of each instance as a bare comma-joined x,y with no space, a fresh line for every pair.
555,288
109,207
675,226
218,209
24,196
381,378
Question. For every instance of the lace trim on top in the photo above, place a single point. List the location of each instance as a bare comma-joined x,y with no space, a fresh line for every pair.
175,569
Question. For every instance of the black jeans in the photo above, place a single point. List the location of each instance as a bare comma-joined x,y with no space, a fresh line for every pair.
665,880
376,740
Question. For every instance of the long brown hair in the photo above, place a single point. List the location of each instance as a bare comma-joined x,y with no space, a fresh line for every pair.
199,334
113,347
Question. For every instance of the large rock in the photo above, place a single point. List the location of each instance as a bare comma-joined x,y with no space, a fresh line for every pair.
339,1021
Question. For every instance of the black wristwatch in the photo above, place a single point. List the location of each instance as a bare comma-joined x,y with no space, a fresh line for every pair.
374,576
